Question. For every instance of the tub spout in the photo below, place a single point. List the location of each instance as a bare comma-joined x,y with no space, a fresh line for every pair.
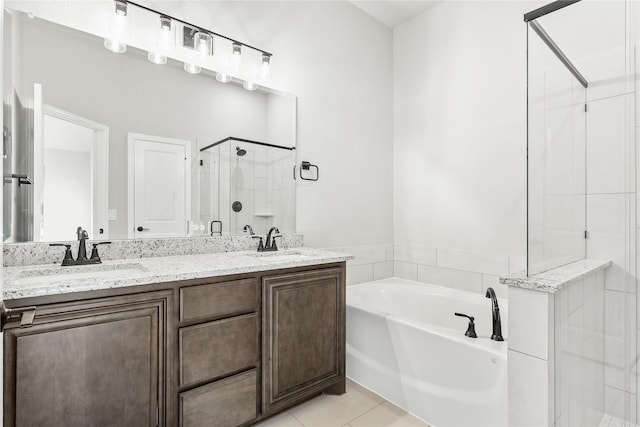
495,310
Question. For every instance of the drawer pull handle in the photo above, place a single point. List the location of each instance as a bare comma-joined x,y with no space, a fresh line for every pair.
27,315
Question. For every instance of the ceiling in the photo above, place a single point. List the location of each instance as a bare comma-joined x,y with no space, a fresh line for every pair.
394,12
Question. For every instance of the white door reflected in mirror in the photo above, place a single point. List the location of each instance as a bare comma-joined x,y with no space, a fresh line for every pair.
159,186
74,189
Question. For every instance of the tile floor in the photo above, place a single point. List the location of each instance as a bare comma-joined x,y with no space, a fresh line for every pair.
358,407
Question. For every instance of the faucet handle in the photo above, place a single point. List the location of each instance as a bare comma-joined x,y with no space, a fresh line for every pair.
67,253
261,244
273,241
471,329
94,250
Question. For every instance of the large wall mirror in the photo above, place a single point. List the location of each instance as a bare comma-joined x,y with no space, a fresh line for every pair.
129,149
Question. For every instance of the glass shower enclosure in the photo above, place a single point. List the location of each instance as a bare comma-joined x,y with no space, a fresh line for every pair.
581,192
246,186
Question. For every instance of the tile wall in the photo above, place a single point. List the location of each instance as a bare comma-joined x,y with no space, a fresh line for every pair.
556,354
464,270
468,271
611,215
579,353
371,262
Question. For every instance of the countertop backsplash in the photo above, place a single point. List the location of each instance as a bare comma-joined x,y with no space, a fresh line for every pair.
37,253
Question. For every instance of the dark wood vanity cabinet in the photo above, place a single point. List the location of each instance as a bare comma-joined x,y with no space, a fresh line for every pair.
303,337
225,352
219,354
96,363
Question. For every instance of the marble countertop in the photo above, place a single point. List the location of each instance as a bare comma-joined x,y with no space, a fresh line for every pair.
553,280
42,280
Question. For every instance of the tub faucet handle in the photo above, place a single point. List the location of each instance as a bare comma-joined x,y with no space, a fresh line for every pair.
471,329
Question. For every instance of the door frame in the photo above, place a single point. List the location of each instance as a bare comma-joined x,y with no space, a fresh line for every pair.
131,169
99,166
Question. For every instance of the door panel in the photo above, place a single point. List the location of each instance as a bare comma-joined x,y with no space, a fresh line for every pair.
303,336
161,186
95,363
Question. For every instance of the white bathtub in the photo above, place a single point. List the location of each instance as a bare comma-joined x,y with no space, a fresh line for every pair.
404,343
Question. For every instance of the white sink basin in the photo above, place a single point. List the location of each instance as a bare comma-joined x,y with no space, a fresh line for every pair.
281,256
61,274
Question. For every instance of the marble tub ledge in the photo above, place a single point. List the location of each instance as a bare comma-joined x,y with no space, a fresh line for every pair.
553,280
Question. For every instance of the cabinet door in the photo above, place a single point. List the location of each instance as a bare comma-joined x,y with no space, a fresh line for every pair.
90,363
303,336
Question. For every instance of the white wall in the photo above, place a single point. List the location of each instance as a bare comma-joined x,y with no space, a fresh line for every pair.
460,143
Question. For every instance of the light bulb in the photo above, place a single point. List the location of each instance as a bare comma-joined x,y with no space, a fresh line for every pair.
115,46
248,85
157,58
236,56
192,68
164,39
222,77
266,66
117,28
203,44
236,48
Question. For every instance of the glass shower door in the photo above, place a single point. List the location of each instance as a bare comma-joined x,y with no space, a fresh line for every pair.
556,160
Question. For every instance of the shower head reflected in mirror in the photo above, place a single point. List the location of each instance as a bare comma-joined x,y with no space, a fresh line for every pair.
240,152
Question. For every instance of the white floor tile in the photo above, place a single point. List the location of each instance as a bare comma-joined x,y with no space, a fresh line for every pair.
336,411
387,415
284,419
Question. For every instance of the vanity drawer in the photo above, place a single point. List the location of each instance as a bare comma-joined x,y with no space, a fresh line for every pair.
226,403
219,299
214,349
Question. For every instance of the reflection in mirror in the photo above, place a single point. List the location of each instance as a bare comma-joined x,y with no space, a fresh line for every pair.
111,142
256,186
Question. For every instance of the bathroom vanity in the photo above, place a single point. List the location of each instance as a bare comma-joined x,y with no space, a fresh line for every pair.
174,344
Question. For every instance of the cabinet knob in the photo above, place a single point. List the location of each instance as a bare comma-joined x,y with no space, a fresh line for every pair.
142,229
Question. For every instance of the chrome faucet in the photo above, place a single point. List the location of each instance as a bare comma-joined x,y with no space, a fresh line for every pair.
496,335
270,244
249,229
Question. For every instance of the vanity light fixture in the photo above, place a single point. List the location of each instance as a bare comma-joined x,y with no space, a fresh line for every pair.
163,41
117,28
194,37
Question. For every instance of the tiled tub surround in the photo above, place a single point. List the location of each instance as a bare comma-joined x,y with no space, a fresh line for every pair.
463,270
34,253
459,269
557,345
142,271
369,262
